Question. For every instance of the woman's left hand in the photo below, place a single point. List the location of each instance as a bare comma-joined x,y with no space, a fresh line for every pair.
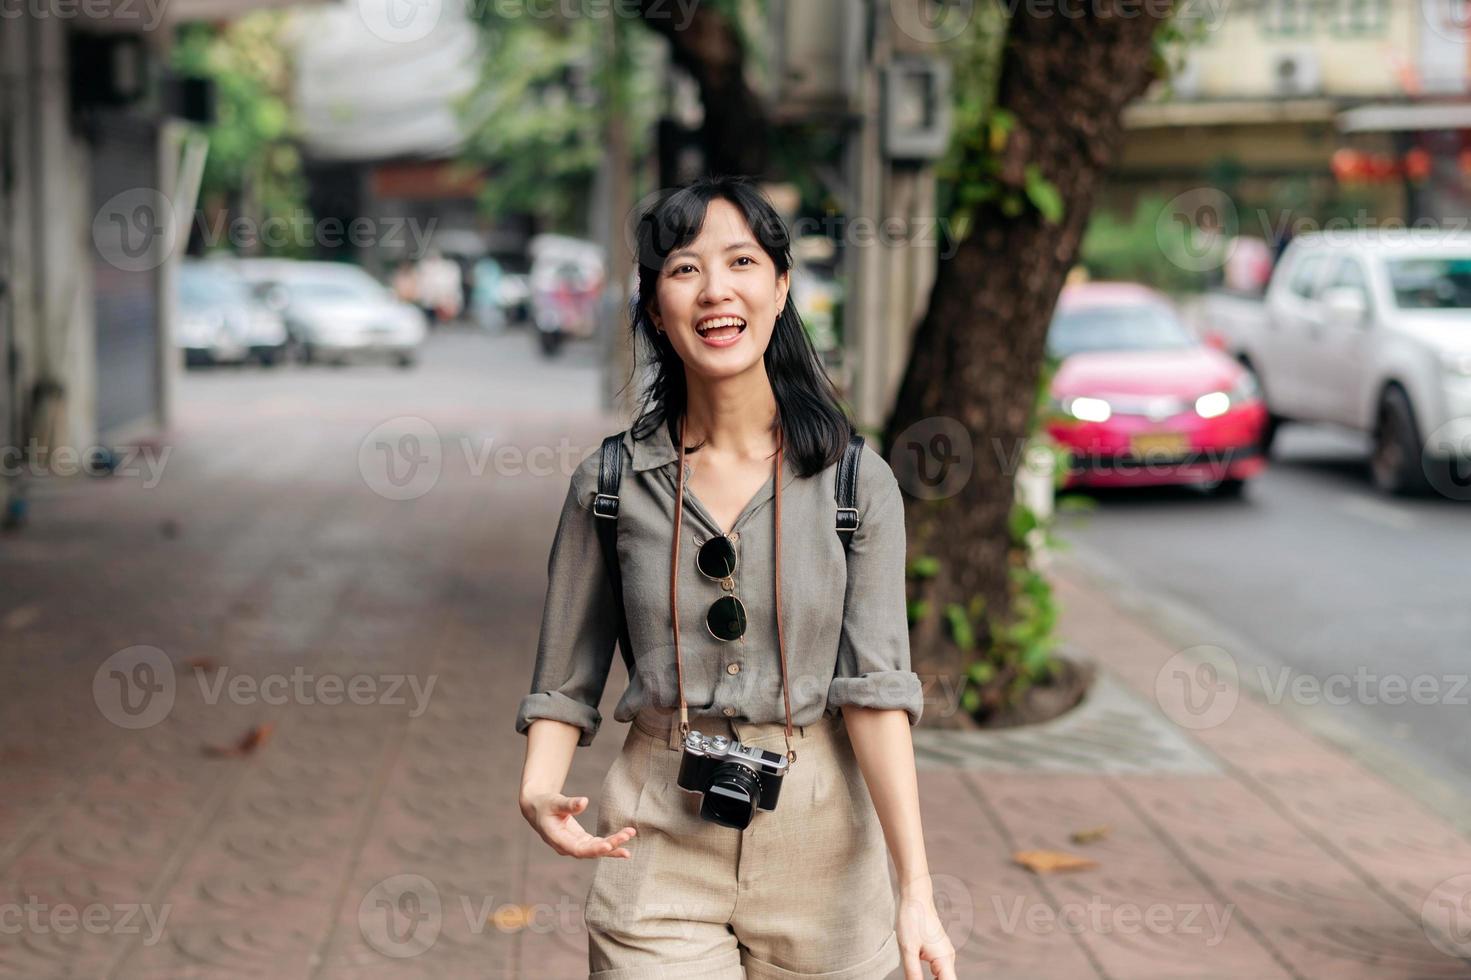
922,938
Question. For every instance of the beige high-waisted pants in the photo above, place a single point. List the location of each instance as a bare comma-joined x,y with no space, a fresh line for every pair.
803,892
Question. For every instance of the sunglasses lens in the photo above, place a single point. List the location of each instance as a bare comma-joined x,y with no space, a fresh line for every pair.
717,558
727,618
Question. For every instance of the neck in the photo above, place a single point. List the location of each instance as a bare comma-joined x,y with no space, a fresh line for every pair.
733,415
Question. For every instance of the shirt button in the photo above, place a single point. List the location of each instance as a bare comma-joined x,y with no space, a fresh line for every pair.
728,712
732,668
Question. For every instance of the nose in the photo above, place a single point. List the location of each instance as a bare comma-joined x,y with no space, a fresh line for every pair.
715,288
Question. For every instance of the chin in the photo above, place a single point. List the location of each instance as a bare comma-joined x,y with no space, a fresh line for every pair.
718,368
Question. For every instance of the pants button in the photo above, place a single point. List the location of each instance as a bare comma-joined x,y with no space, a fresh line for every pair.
728,712
732,668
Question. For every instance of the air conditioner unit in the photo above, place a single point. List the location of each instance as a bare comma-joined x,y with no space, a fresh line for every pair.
1296,74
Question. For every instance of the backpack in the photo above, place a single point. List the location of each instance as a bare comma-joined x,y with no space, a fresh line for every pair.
605,510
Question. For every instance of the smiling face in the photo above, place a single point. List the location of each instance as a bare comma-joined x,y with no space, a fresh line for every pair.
718,297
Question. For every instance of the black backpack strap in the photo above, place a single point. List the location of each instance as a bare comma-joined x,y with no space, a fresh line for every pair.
605,517
846,490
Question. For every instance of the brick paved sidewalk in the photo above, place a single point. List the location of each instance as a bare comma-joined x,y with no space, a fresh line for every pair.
381,839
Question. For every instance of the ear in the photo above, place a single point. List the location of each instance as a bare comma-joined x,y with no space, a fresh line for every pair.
783,287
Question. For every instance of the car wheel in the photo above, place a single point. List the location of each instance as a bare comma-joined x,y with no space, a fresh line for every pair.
1269,434
551,341
1396,462
1269,428
406,361
1229,489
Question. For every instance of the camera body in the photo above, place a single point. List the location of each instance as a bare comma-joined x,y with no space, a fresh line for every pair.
736,780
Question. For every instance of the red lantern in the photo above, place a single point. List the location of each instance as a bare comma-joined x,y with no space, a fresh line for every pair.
1348,165
1417,164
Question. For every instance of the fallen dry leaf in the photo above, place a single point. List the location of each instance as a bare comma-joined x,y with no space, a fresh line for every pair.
1046,862
1090,835
511,918
248,743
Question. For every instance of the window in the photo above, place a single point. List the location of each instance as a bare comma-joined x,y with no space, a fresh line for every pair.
1287,18
1349,275
1305,277
1431,283
1358,18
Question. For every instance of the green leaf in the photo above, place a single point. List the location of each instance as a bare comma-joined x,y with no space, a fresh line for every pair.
1036,660
923,567
917,609
1043,194
961,630
982,671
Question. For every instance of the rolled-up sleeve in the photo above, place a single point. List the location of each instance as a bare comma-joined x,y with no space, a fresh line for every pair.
579,628
873,650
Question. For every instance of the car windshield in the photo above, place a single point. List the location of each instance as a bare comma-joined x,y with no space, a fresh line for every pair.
203,288
1431,283
334,289
1139,326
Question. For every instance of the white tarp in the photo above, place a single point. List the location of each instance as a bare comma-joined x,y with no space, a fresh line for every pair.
379,79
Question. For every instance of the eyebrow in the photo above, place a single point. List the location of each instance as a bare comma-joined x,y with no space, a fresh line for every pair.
732,247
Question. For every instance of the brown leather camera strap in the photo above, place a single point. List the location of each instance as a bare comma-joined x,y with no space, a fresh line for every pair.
684,716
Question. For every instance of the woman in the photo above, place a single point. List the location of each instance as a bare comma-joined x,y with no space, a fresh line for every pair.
805,657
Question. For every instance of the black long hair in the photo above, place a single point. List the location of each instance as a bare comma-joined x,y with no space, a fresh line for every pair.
813,422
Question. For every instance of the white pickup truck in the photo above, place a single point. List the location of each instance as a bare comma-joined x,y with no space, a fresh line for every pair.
1369,330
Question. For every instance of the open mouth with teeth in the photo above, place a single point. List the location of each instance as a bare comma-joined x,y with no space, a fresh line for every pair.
723,328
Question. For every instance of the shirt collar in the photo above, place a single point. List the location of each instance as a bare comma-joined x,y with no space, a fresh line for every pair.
654,449
657,449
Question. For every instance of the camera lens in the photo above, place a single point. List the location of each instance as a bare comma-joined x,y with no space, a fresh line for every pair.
734,795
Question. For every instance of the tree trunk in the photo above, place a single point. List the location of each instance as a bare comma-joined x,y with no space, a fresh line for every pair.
735,134
978,350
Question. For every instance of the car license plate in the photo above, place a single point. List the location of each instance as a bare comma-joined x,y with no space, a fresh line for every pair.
1156,445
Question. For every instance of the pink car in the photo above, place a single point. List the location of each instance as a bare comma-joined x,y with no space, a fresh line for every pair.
1139,401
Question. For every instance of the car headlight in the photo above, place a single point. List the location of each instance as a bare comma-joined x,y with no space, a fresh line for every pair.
1213,404
1456,362
1085,408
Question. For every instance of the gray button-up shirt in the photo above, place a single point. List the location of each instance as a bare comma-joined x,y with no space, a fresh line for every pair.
844,625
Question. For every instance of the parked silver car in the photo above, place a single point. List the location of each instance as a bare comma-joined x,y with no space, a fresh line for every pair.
222,321
337,312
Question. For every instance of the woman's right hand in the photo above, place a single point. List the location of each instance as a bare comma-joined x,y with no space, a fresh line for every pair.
554,817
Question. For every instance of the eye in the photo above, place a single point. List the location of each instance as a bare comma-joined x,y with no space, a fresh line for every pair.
680,268
746,258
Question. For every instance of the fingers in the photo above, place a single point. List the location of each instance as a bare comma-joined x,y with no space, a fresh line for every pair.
569,838
610,846
943,965
913,968
568,806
